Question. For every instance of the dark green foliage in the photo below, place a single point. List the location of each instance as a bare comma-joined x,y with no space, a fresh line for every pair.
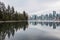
9,14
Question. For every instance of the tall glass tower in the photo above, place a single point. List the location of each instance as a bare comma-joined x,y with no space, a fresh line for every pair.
54,14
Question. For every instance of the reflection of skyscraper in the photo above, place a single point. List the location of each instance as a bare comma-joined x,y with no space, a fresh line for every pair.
50,24
34,23
54,26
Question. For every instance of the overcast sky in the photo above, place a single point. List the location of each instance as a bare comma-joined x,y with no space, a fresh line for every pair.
33,6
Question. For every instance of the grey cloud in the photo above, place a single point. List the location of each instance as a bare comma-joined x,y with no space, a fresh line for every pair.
47,0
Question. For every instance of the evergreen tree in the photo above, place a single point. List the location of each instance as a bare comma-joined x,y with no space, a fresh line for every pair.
9,13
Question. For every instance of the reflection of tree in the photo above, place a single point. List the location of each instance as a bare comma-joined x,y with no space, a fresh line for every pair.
2,35
10,28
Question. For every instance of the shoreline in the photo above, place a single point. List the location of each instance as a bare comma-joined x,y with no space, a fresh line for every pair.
29,21
12,21
44,20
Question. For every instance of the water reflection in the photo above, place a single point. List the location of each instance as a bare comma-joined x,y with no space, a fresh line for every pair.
50,24
10,28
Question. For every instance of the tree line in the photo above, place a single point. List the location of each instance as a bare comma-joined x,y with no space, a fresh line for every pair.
9,13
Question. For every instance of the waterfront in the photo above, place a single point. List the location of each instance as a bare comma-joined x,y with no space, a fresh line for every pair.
30,31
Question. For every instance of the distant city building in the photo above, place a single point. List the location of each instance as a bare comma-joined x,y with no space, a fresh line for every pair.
54,14
50,16
33,17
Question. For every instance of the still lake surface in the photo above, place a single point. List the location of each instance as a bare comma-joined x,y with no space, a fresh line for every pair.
30,31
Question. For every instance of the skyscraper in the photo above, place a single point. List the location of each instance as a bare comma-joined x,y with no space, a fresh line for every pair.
54,14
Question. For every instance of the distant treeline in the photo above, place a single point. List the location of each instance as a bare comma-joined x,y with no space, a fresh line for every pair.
9,13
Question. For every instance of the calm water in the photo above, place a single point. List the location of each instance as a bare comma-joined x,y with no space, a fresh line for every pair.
30,31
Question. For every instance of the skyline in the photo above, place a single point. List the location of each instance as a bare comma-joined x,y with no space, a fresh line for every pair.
33,6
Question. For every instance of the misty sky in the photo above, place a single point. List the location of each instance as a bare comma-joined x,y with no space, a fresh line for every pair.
33,6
